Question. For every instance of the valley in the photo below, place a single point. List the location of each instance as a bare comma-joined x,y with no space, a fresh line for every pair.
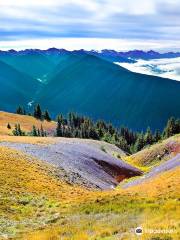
73,81
70,188
88,149
90,120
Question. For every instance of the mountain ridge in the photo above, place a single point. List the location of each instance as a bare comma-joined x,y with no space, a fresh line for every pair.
14,85
94,87
120,93
136,54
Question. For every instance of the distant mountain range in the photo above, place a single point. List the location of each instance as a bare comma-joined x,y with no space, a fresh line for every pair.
112,55
87,83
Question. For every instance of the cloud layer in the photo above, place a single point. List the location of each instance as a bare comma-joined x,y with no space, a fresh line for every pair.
155,20
166,68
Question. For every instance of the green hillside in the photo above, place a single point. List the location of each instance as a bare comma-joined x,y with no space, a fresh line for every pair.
34,64
100,89
88,85
16,88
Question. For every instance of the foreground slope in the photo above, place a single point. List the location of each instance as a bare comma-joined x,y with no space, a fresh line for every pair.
30,193
83,161
36,203
100,89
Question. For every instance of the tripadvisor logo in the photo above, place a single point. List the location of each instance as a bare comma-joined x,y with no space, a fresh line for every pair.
139,231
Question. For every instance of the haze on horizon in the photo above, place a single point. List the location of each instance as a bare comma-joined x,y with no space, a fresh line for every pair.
90,24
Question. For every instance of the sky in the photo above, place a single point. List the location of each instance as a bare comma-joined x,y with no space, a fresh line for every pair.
90,24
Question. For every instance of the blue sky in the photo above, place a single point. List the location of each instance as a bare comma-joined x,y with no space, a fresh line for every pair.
90,24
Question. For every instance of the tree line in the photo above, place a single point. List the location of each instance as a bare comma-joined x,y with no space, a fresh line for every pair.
37,113
123,137
75,126
35,132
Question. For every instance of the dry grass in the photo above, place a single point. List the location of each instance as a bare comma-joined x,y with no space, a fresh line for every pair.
115,214
21,174
26,123
155,154
28,139
36,205
30,195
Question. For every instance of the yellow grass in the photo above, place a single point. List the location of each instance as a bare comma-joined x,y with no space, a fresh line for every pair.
28,139
21,174
115,214
155,154
25,121
36,205
30,193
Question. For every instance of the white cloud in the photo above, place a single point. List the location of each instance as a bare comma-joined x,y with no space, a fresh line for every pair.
123,19
89,44
166,68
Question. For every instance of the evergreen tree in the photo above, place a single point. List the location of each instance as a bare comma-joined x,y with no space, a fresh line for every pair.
17,131
107,137
157,136
71,117
47,116
170,128
122,144
114,138
148,138
93,134
61,120
139,144
20,110
83,127
38,133
42,132
101,125
177,123
111,129
34,131
59,130
38,112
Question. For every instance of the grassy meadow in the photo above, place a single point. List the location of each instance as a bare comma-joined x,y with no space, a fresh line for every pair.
35,204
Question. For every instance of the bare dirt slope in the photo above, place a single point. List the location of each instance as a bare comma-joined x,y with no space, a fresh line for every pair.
84,161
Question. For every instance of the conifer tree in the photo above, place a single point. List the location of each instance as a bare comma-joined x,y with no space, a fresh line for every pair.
177,123
148,138
38,133
170,128
42,132
8,126
38,112
59,132
157,136
139,144
122,144
47,116
34,131
17,131
20,110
